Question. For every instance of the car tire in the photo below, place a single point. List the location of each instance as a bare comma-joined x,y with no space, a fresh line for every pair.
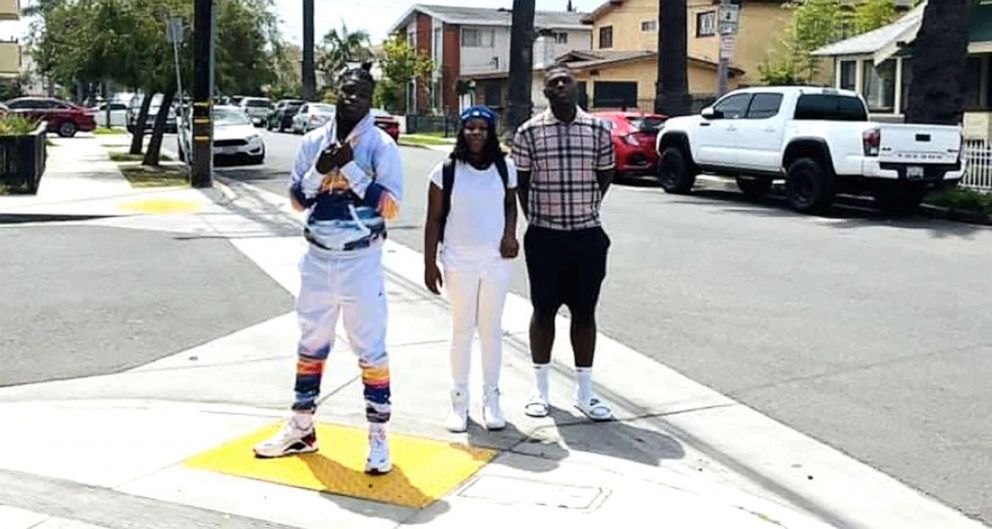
68,129
753,187
809,187
674,172
899,200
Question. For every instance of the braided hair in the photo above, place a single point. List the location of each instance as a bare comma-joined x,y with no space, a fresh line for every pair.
363,74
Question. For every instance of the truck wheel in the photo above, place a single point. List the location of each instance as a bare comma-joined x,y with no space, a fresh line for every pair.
899,200
674,173
808,186
754,187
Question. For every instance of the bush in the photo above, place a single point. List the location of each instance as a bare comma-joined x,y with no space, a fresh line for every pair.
961,199
17,125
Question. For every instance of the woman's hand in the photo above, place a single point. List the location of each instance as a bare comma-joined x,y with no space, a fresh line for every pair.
432,278
509,247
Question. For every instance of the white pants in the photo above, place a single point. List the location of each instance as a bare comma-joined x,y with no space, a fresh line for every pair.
477,296
350,285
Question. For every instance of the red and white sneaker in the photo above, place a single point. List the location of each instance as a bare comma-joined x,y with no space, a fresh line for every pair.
378,462
291,439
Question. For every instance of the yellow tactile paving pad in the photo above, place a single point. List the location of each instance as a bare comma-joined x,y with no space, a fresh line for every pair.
424,470
159,206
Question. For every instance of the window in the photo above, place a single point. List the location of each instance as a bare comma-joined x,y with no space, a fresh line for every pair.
764,106
973,83
732,107
649,25
614,95
825,107
561,38
907,79
436,47
24,103
606,37
706,24
848,75
494,94
477,38
880,86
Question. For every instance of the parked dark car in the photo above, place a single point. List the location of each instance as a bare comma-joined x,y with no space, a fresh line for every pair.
387,122
62,117
634,135
281,118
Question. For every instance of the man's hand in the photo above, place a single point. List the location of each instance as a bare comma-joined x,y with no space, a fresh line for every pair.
432,278
509,247
334,157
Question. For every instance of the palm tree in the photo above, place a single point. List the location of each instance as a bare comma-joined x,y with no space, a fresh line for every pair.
672,92
342,48
521,64
940,58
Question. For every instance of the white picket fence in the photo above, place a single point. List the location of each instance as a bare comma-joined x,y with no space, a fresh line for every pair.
979,174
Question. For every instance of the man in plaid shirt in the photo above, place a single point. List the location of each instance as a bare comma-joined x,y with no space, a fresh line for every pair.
565,164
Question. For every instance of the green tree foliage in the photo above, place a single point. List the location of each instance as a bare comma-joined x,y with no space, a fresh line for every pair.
340,48
817,23
401,64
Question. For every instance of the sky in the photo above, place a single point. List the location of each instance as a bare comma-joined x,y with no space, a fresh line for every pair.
374,16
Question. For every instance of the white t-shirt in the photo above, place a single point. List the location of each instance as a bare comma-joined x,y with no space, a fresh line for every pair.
475,225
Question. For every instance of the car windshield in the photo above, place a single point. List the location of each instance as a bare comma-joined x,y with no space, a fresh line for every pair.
261,103
322,109
646,123
229,118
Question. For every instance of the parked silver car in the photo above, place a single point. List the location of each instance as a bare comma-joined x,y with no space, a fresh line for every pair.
312,116
257,109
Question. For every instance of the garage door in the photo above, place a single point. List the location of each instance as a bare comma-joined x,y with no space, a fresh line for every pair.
614,94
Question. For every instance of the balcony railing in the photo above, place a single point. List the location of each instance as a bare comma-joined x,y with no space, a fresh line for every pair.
10,9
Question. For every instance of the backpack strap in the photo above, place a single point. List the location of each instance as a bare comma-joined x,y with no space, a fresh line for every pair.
504,173
447,183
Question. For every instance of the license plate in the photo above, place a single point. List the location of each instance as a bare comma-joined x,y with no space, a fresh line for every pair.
227,150
915,172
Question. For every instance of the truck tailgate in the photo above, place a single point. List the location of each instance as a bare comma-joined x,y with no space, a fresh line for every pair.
919,144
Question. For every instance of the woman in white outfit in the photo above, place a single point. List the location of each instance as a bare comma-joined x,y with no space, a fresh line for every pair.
472,215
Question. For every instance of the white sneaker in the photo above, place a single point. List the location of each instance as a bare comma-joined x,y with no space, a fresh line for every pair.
492,414
457,420
378,461
291,439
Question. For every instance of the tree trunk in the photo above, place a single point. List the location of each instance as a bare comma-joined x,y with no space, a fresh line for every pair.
138,134
521,65
672,93
155,145
940,58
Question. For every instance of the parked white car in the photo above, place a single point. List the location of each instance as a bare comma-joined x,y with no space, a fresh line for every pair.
257,108
312,116
235,138
819,140
118,114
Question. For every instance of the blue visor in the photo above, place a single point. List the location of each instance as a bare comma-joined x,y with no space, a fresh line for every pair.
480,112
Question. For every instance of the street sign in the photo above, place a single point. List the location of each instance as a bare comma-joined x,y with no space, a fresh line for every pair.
727,46
174,30
728,19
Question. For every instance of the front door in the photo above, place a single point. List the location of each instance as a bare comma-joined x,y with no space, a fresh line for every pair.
718,136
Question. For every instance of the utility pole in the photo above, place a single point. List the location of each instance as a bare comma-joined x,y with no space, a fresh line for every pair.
728,17
309,73
521,65
672,90
202,129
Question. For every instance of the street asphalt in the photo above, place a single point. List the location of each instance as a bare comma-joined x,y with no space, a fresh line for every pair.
867,332
84,300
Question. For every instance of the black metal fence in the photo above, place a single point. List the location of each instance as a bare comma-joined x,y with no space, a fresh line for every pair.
419,124
22,160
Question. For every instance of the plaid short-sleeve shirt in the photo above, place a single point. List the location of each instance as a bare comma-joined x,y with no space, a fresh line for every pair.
562,159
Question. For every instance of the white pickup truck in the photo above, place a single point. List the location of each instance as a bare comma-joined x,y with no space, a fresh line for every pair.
819,140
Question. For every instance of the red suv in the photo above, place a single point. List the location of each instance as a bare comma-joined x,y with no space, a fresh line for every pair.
64,118
634,135
385,121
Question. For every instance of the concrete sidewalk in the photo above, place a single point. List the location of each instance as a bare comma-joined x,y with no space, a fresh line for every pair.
113,451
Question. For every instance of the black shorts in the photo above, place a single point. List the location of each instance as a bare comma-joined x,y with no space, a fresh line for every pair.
566,268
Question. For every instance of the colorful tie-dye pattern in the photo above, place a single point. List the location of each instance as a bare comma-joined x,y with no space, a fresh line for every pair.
377,394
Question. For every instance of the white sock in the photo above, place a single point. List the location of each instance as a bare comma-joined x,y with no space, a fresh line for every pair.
377,428
303,420
583,377
541,372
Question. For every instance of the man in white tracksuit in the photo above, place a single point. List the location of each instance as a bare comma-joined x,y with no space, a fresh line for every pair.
349,176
